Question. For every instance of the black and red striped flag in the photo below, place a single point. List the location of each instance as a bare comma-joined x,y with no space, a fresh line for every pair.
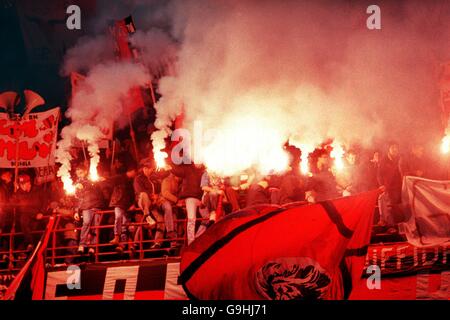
312,251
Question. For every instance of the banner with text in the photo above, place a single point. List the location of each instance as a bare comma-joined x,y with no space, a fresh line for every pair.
31,140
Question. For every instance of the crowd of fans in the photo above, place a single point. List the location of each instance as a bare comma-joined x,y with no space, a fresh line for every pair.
150,202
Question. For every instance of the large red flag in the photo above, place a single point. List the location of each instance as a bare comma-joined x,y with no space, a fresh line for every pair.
121,31
300,252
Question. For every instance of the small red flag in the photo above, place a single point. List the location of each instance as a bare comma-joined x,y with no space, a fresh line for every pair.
75,80
121,32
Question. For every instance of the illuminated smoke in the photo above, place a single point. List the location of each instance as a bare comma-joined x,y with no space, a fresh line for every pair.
309,69
445,144
96,105
338,155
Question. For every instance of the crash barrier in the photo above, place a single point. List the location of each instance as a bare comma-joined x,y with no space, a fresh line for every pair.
63,244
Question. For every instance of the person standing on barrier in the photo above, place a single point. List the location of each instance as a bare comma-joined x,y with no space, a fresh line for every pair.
90,201
169,199
147,187
191,192
122,199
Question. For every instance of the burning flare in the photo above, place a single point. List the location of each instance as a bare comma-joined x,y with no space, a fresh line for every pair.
68,184
337,154
445,145
304,161
160,158
241,143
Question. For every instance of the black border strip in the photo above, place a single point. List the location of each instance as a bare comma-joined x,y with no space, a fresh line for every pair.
358,252
336,217
185,276
196,264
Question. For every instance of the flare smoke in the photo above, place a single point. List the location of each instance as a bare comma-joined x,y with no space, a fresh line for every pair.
306,72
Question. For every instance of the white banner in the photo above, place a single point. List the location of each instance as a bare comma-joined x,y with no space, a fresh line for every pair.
428,202
31,139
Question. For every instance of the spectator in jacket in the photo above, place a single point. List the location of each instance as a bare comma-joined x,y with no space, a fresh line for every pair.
169,199
145,191
212,186
90,201
351,180
146,187
258,193
29,208
6,192
64,205
122,199
414,164
322,185
292,187
191,192
390,179
370,168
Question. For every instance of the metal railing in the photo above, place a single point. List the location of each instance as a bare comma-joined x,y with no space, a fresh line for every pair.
57,253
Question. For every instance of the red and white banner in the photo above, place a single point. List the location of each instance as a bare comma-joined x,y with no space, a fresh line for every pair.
31,140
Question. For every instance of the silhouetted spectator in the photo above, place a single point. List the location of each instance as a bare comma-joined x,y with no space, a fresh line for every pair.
414,163
30,207
258,193
90,201
351,180
191,192
390,178
146,192
322,185
6,191
370,168
122,198
169,199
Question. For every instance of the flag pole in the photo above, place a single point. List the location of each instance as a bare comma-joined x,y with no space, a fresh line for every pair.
133,138
16,187
113,155
152,93
83,147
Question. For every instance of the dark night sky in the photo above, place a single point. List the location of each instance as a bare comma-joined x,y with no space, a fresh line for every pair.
18,70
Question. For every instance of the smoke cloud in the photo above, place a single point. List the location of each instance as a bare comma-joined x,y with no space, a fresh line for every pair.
303,72
94,108
306,71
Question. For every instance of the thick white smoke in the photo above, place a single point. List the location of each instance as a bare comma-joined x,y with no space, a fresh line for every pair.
304,72
265,72
94,108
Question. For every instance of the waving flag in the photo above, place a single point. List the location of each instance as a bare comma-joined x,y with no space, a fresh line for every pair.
306,252
29,283
121,31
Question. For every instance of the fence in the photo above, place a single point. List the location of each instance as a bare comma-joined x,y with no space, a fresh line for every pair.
60,249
